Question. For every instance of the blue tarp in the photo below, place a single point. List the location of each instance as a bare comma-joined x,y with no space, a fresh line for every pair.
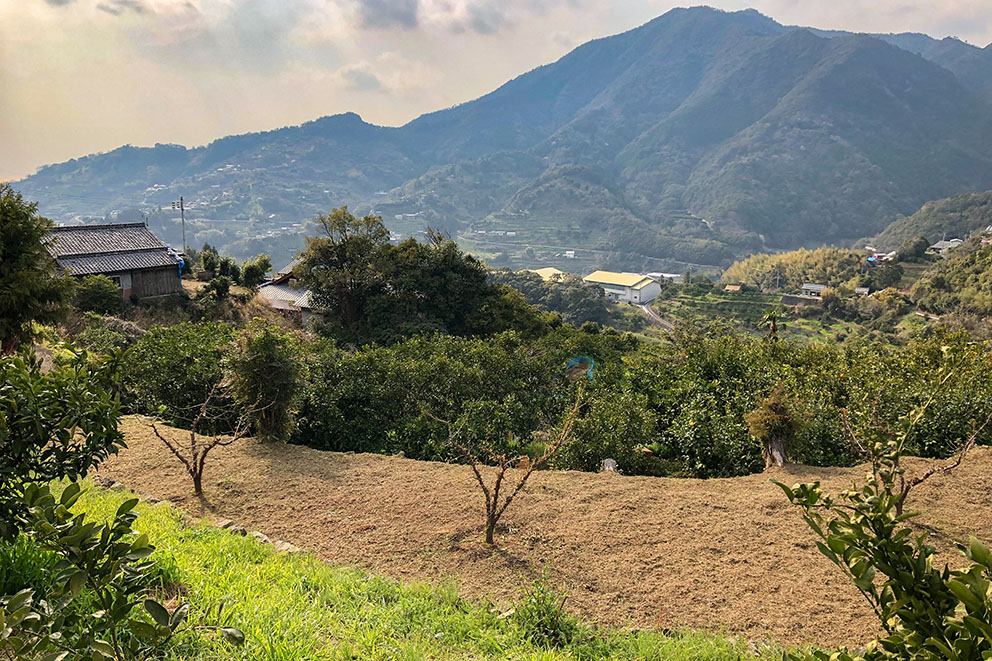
582,360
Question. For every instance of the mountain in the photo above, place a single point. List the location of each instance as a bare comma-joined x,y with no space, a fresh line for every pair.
697,137
956,217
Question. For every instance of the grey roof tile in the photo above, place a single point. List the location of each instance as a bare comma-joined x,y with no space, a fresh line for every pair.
108,248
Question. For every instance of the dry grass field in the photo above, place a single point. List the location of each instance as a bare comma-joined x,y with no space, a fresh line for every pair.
728,555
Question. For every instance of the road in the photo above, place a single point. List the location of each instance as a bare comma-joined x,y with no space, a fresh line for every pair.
655,318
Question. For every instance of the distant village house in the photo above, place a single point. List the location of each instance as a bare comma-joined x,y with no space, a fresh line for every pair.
626,287
128,253
812,290
943,247
549,273
286,293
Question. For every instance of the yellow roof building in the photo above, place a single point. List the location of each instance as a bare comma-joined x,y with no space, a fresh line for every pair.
610,278
548,272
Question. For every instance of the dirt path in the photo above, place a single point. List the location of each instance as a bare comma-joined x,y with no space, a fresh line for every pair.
724,555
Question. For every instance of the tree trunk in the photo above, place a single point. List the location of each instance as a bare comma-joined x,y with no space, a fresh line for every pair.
490,530
773,450
7,346
198,484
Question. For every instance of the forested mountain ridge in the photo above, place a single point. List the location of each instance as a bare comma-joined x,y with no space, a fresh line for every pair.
956,217
696,137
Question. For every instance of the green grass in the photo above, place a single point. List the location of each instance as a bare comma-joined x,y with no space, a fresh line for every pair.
295,607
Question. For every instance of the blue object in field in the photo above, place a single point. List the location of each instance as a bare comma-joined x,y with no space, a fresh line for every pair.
579,360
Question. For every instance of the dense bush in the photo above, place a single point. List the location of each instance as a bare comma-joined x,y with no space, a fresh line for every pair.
385,399
98,293
265,368
613,425
376,400
171,370
686,401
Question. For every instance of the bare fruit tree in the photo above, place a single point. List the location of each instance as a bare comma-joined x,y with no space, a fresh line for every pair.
502,488
193,455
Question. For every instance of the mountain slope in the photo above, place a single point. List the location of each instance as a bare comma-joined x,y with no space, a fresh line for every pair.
955,217
696,137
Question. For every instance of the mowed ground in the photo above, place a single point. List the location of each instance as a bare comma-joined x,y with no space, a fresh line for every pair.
728,555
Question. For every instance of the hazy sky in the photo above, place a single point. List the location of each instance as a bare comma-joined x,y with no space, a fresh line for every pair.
82,76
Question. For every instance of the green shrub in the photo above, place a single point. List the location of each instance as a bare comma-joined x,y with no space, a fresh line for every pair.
926,612
613,425
89,611
98,293
255,270
170,371
374,400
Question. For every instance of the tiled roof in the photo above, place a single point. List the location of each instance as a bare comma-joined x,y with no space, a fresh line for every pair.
108,248
89,239
113,262
274,292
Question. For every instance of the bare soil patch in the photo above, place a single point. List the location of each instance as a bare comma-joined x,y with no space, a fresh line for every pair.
727,555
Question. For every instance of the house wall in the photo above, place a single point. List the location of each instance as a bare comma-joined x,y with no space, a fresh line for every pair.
155,282
647,293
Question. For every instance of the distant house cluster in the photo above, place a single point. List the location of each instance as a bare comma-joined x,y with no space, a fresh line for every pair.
128,253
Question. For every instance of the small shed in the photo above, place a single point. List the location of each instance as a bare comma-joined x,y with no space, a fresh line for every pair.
732,288
128,253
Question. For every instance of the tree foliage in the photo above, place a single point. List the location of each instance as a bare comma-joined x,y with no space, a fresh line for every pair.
30,287
575,300
53,425
255,270
171,370
789,270
369,289
961,283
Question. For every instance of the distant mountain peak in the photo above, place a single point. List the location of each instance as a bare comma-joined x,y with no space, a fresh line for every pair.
698,136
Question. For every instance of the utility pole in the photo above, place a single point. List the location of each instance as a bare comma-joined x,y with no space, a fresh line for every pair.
182,215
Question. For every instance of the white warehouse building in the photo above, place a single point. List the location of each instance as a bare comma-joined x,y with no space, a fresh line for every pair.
626,287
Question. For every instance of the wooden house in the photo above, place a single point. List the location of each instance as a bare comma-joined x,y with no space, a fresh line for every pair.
128,253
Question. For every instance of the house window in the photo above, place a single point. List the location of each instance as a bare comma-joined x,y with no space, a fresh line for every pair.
117,280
